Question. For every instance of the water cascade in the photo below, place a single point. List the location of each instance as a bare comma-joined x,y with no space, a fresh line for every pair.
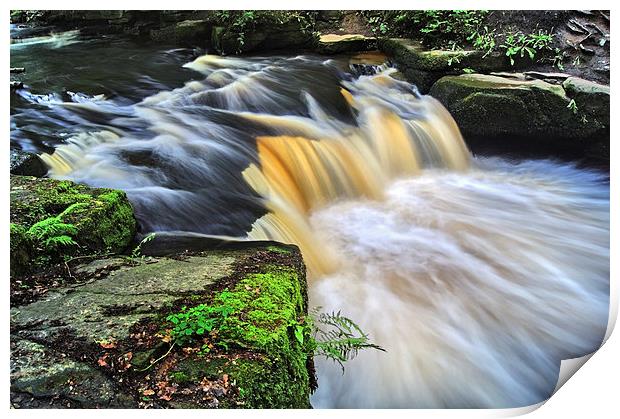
466,270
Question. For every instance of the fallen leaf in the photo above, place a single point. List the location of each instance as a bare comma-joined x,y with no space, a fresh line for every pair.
108,344
148,392
102,360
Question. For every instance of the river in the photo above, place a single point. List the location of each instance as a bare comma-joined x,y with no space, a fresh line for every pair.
477,274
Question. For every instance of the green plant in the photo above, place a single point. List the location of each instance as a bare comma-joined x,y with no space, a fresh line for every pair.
52,233
558,59
137,251
572,105
338,338
483,40
196,322
519,44
243,22
437,28
334,336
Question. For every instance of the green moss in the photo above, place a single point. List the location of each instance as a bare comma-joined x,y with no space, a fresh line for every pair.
268,383
192,370
278,249
21,249
265,314
106,222
103,218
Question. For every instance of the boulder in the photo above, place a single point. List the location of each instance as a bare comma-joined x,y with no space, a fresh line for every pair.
336,44
572,114
423,67
102,219
107,342
27,164
265,37
186,32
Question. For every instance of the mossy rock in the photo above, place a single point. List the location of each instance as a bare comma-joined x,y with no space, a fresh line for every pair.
265,36
187,32
423,67
493,107
104,219
262,356
44,373
268,308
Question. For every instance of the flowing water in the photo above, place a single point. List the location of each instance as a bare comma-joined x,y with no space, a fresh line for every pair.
477,275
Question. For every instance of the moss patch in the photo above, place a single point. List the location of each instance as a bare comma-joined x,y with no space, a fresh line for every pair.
259,351
103,218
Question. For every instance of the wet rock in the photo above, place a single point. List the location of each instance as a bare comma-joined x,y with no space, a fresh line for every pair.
423,67
335,44
27,164
61,350
574,114
187,32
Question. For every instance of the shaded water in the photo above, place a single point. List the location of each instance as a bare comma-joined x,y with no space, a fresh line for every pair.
476,275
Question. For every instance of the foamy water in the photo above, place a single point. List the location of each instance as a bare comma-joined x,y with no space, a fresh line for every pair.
477,284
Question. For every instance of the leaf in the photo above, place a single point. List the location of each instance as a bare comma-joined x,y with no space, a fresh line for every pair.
105,344
148,392
102,361
299,334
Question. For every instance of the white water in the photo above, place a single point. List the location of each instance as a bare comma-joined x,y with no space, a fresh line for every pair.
54,40
476,284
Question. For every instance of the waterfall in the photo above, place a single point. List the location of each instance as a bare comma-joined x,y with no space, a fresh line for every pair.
477,275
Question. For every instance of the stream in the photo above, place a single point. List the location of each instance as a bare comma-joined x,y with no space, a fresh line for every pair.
477,274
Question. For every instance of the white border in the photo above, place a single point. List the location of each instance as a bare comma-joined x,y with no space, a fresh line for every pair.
593,393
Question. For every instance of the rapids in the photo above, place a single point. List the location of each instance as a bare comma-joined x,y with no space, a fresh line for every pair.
477,275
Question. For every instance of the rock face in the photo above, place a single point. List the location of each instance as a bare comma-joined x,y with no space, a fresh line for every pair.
574,113
27,164
106,341
102,220
286,35
423,67
335,44
185,32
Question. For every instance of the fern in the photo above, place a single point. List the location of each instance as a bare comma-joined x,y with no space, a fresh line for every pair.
341,339
53,233
59,241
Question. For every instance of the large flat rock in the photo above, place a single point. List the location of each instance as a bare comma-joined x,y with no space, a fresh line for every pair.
106,340
337,43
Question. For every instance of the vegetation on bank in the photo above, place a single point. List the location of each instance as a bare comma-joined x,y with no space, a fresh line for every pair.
457,30
243,22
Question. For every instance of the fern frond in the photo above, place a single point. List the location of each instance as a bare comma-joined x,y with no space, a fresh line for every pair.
59,241
341,340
